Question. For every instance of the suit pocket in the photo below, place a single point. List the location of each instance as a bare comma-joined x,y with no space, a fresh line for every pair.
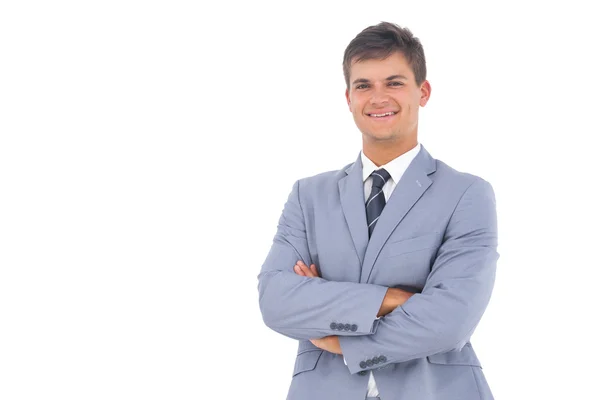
410,245
464,357
307,361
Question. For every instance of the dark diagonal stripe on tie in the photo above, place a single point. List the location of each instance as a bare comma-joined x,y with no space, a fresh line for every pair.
376,200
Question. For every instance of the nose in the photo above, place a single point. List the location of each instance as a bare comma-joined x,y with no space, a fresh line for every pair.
379,97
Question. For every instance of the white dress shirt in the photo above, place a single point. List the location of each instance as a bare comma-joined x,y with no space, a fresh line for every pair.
396,169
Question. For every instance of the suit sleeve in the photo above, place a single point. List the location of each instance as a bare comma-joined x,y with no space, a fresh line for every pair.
457,291
307,308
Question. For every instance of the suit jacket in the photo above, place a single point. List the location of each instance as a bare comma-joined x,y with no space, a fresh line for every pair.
436,237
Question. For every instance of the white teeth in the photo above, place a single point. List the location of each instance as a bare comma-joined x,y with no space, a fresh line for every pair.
382,115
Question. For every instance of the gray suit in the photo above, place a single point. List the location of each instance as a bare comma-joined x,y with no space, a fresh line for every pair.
436,237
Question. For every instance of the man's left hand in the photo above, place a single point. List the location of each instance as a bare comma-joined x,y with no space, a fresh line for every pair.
328,343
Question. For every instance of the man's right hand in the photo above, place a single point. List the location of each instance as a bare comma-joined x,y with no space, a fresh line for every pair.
301,269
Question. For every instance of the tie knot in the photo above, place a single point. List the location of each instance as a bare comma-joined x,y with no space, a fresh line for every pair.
380,177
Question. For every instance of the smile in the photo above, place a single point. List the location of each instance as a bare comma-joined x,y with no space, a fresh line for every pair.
383,115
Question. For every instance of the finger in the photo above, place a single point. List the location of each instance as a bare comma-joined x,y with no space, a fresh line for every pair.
310,272
301,264
298,270
306,271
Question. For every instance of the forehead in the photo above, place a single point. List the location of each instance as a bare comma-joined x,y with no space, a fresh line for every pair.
376,69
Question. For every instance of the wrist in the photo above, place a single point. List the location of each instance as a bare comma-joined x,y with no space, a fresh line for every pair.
394,297
387,305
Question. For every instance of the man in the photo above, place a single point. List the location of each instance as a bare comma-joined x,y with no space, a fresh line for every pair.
382,270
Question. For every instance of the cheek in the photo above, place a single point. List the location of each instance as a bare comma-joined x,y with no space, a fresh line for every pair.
356,105
410,107
410,113
356,110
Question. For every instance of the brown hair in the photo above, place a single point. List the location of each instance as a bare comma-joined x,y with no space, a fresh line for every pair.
380,41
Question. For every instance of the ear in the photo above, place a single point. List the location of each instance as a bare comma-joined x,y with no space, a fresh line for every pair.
348,100
425,93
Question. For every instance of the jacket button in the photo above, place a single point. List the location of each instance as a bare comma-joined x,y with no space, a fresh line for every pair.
354,327
363,364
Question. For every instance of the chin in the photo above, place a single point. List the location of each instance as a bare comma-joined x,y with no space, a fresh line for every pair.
381,136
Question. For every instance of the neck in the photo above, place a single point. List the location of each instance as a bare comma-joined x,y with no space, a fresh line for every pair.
382,152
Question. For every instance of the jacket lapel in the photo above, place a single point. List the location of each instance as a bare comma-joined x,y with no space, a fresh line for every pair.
414,182
352,198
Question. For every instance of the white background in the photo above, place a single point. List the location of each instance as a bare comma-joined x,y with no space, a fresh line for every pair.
147,149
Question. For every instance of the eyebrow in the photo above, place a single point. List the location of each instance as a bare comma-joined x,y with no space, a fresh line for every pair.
389,78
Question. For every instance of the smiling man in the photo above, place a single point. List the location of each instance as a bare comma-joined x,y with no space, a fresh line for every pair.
383,269
384,97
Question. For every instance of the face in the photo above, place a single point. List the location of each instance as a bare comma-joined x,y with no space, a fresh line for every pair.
384,99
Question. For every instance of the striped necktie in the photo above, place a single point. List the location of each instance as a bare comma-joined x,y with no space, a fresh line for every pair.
376,200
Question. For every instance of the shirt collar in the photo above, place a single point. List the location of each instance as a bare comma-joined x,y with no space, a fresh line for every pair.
396,167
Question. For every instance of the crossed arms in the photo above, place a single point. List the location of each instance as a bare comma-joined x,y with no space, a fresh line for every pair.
394,297
439,319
